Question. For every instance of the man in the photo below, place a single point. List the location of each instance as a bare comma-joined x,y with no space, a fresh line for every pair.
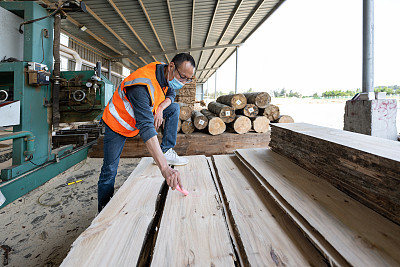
139,105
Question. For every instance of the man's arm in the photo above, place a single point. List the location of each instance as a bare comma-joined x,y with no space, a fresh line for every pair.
172,176
158,118
141,103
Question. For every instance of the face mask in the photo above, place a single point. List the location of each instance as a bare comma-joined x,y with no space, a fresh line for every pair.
175,84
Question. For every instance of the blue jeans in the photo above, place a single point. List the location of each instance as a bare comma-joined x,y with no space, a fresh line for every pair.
113,145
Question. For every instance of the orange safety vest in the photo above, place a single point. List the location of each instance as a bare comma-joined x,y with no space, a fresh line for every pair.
118,114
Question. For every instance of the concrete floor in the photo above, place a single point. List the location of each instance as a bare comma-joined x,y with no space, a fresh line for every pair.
41,226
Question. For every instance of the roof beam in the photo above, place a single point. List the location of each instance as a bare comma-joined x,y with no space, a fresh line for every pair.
152,27
207,69
180,51
225,30
209,29
102,22
191,32
255,10
241,29
111,2
172,23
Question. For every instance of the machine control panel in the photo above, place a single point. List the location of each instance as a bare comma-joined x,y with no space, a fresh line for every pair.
38,74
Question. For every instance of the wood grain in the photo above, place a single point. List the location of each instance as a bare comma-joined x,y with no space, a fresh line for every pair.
199,120
192,229
271,112
225,112
360,235
260,99
365,167
237,101
268,237
185,111
117,234
260,124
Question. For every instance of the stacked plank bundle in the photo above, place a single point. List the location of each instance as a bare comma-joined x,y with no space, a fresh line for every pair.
187,94
273,213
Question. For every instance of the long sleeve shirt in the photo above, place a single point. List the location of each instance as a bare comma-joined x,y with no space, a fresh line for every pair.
140,99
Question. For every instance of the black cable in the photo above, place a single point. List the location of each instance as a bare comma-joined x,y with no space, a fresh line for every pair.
34,20
42,35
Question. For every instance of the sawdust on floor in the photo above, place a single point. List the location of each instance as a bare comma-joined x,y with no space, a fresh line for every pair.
41,226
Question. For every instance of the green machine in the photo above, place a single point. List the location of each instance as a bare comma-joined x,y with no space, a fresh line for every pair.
28,86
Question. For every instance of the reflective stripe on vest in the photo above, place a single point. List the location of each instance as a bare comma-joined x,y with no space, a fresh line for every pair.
115,114
142,80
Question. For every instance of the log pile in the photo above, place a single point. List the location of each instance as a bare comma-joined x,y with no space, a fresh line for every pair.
187,94
240,112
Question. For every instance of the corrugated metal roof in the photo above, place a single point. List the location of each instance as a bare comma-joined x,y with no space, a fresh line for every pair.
140,31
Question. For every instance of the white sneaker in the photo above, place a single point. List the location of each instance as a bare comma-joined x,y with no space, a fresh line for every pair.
173,158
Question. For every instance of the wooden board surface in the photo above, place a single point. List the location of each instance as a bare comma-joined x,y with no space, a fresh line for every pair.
197,143
192,230
268,237
360,235
116,236
374,145
366,168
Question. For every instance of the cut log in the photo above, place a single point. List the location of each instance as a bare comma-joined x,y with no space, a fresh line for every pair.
250,110
260,124
225,112
187,126
237,101
260,99
215,124
241,124
199,120
185,111
271,112
284,119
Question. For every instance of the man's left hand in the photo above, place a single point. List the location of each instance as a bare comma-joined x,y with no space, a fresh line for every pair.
158,118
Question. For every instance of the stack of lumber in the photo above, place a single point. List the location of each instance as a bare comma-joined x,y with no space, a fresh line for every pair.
365,167
254,208
187,94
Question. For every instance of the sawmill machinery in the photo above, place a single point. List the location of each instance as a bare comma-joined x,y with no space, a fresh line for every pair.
35,97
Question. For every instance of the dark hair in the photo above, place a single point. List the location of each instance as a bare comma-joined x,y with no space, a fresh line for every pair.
182,57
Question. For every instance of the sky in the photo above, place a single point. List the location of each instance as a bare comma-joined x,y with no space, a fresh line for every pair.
313,46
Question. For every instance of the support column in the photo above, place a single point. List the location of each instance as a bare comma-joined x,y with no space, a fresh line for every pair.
368,46
370,116
236,74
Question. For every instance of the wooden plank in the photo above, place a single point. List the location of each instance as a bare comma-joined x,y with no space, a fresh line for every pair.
365,167
116,236
192,229
197,143
229,225
268,237
360,235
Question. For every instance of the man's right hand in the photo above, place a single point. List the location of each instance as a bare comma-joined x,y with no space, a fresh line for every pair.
172,177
